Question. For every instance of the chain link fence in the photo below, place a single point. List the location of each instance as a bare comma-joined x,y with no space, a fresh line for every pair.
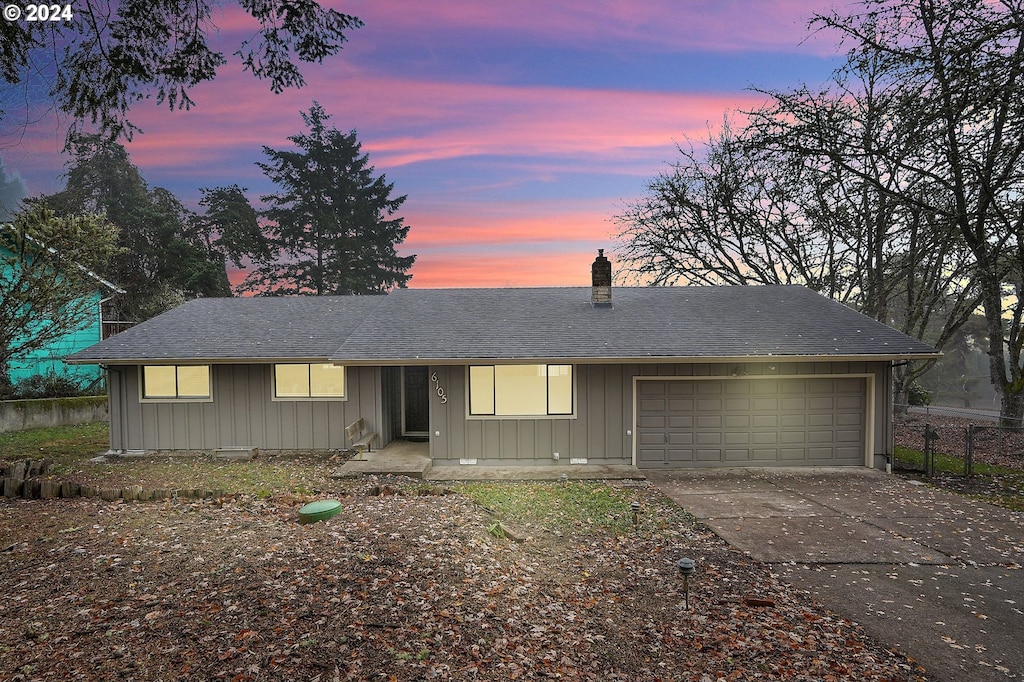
955,440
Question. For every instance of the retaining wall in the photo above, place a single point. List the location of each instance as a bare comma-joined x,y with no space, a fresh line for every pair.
19,415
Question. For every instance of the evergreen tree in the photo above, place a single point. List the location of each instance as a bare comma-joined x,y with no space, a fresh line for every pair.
163,259
331,227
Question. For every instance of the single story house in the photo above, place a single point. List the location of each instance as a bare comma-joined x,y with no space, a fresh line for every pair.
657,377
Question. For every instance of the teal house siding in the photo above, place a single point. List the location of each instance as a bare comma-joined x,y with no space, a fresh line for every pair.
50,358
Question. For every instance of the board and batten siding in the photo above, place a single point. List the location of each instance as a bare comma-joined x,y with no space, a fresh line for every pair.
599,432
241,414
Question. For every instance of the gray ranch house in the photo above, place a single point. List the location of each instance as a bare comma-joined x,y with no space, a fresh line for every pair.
656,377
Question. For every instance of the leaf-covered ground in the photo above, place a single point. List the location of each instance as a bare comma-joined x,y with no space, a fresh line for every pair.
403,586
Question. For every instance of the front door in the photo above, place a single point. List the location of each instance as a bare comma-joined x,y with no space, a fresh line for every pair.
415,401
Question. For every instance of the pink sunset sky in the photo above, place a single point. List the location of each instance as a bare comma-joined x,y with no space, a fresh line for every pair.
518,129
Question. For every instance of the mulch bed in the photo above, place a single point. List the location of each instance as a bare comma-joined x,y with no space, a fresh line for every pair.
397,587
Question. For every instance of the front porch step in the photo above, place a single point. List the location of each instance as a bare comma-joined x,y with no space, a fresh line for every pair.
355,468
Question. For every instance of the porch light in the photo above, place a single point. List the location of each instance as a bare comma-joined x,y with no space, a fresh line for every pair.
686,567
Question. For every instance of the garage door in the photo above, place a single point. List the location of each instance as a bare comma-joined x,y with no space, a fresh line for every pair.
750,422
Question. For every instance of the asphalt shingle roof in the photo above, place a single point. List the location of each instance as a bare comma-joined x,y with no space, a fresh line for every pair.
539,323
647,322
239,329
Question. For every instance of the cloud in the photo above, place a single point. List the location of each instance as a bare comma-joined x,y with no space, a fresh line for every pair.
695,25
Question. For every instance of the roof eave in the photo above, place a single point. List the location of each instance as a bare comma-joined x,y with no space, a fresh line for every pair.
649,359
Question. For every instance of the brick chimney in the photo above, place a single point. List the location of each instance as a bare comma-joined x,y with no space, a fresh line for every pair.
601,276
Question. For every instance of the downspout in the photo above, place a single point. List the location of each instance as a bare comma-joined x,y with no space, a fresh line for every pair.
890,440
122,408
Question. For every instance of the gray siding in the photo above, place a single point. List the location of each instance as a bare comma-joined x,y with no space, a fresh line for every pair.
604,413
242,413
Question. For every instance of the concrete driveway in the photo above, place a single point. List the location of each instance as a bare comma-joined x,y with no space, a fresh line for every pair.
930,572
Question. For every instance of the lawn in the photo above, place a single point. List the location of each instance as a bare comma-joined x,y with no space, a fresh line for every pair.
992,483
409,582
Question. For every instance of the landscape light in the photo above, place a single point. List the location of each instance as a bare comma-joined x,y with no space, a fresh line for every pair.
686,567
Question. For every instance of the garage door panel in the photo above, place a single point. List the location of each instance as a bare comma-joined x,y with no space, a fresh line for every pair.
679,388
709,421
849,419
849,402
817,404
790,437
737,404
793,404
652,405
789,421
820,437
737,421
737,387
652,421
737,438
820,419
751,422
652,438
679,456
709,388
680,438
708,454
680,421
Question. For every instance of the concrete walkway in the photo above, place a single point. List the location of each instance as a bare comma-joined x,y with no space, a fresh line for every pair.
928,571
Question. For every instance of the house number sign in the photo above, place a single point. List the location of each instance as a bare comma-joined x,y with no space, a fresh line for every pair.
438,388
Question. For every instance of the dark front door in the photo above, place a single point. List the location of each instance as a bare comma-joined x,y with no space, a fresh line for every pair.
415,401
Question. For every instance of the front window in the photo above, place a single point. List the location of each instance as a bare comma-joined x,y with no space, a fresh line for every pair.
520,390
176,382
299,381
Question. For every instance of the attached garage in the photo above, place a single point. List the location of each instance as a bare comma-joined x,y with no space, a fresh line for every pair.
774,421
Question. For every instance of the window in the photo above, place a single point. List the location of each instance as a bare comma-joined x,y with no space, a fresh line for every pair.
176,382
305,381
520,390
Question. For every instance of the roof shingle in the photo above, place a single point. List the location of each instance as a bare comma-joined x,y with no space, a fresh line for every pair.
536,323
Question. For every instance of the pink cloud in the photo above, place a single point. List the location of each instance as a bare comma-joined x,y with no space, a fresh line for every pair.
430,121
706,25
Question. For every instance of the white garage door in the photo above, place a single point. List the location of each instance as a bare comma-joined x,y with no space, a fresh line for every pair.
750,422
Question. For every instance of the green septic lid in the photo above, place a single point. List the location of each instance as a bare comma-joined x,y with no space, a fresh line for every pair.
319,511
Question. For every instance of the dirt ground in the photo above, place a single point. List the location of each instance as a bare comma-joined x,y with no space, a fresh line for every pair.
399,586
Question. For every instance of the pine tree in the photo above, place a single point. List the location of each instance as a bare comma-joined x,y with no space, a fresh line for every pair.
331,226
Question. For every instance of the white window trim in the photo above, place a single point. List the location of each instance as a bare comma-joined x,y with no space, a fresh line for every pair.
307,399
522,417
174,401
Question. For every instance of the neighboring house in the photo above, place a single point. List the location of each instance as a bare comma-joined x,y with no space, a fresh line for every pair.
49,359
659,377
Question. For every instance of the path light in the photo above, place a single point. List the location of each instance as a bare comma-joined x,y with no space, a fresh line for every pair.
685,567
635,506
564,478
